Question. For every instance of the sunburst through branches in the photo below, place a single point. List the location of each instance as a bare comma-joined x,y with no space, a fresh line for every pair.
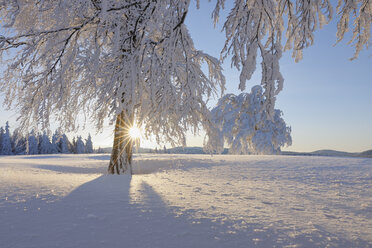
129,131
134,132
127,137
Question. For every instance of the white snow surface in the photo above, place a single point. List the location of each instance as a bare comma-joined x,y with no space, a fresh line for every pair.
186,201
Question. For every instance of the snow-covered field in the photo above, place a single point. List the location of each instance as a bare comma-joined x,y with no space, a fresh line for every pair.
186,201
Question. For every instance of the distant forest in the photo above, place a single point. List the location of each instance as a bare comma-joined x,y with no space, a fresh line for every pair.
41,143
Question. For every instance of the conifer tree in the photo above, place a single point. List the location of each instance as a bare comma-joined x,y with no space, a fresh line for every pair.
164,149
19,143
89,144
32,144
80,147
73,146
55,140
100,150
6,144
2,132
63,144
45,147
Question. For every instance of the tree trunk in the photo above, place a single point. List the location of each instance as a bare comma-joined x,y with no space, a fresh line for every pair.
122,150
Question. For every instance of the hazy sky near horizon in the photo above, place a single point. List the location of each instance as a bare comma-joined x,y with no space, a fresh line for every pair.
327,99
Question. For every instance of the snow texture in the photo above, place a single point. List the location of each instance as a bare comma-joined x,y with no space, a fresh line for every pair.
186,201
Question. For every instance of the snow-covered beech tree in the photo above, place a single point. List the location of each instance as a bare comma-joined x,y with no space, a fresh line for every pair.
135,62
240,122
130,61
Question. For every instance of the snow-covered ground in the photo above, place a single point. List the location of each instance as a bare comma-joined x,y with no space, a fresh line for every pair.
186,201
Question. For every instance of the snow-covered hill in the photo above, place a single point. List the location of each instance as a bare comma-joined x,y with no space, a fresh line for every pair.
186,201
333,153
366,154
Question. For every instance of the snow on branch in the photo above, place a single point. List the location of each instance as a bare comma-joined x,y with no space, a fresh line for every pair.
242,123
99,59
361,12
260,25
102,58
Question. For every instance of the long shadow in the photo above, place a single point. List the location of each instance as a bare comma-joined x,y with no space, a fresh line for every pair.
124,211
151,165
100,157
206,232
86,217
42,156
72,169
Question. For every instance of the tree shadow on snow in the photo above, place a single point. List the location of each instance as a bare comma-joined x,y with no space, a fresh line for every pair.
73,169
43,156
153,165
125,211
100,157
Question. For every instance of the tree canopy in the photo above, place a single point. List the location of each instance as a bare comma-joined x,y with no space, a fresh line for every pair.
102,58
136,59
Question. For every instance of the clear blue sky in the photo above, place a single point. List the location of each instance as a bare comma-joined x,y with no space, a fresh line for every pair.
327,99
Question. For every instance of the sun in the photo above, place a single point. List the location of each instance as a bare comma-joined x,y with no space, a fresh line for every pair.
134,132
